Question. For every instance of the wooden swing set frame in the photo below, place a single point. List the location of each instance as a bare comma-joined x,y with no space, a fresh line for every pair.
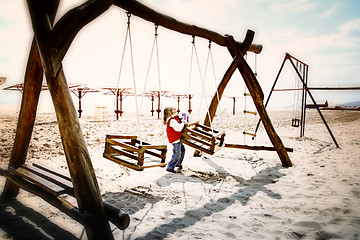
49,46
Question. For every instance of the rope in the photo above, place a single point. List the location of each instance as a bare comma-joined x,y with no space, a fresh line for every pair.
210,56
149,66
191,60
155,46
133,74
128,36
202,83
122,58
159,79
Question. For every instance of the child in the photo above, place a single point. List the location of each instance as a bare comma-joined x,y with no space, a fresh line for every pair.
174,126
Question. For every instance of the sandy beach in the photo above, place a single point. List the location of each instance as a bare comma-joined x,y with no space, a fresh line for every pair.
233,194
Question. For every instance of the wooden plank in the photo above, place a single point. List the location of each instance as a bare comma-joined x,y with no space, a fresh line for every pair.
198,147
155,147
123,145
250,112
250,134
49,176
247,147
121,137
161,156
123,162
56,172
187,137
46,185
189,132
192,124
124,153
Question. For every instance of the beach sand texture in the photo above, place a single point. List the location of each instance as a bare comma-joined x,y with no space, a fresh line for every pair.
233,194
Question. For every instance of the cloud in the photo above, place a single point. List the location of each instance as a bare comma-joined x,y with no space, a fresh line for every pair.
287,6
351,29
330,12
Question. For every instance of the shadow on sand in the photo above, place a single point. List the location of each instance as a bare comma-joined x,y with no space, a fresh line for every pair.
247,189
19,222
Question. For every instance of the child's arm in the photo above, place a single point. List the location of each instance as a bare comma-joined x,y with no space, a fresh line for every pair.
176,126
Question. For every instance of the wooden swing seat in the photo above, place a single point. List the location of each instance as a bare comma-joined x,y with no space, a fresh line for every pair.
54,187
202,138
133,153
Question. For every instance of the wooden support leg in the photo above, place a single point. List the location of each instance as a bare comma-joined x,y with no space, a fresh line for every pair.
225,80
257,96
78,159
27,115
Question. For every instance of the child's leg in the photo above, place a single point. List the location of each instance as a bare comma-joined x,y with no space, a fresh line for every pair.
182,154
175,156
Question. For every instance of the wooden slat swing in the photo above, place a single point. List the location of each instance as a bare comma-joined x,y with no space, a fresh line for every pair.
202,138
133,153
130,151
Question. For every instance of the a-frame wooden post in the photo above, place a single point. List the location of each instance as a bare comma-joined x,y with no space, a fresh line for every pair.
32,88
78,159
257,95
255,91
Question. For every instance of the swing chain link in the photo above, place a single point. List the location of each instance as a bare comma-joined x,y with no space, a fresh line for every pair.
128,14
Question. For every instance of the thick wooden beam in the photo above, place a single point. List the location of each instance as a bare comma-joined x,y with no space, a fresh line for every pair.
32,88
78,159
57,202
27,115
146,13
257,96
225,80
73,21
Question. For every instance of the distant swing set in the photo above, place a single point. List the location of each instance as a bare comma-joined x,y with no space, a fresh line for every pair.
301,70
49,47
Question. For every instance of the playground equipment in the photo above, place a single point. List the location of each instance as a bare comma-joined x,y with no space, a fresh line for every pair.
47,52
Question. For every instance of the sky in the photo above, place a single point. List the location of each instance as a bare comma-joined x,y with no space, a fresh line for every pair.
323,34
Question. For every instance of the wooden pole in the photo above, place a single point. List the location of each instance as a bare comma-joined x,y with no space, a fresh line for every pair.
159,104
78,159
121,104
257,96
152,105
190,110
138,9
80,96
27,115
73,21
234,101
178,104
226,78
